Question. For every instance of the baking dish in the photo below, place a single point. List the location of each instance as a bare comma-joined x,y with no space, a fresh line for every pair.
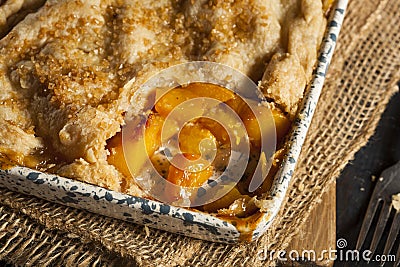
180,220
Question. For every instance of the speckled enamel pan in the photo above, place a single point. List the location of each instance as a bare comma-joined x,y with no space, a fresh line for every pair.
179,220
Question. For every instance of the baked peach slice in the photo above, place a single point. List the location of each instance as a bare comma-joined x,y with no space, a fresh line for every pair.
193,175
130,158
195,139
210,90
171,99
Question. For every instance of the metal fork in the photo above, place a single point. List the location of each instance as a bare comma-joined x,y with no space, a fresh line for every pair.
387,186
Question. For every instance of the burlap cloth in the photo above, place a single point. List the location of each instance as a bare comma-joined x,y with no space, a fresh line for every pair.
361,80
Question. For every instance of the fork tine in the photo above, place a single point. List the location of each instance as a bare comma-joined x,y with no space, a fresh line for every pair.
394,230
372,206
383,217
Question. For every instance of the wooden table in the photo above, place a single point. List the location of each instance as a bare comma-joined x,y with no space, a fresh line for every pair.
318,234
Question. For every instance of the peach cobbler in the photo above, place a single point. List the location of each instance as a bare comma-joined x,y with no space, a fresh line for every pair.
68,74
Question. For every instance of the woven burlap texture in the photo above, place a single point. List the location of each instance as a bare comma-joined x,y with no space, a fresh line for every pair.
361,80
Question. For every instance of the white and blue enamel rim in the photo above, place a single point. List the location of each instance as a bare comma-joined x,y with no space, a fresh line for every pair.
173,219
304,117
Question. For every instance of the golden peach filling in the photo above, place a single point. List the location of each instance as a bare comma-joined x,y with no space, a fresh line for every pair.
326,5
196,138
